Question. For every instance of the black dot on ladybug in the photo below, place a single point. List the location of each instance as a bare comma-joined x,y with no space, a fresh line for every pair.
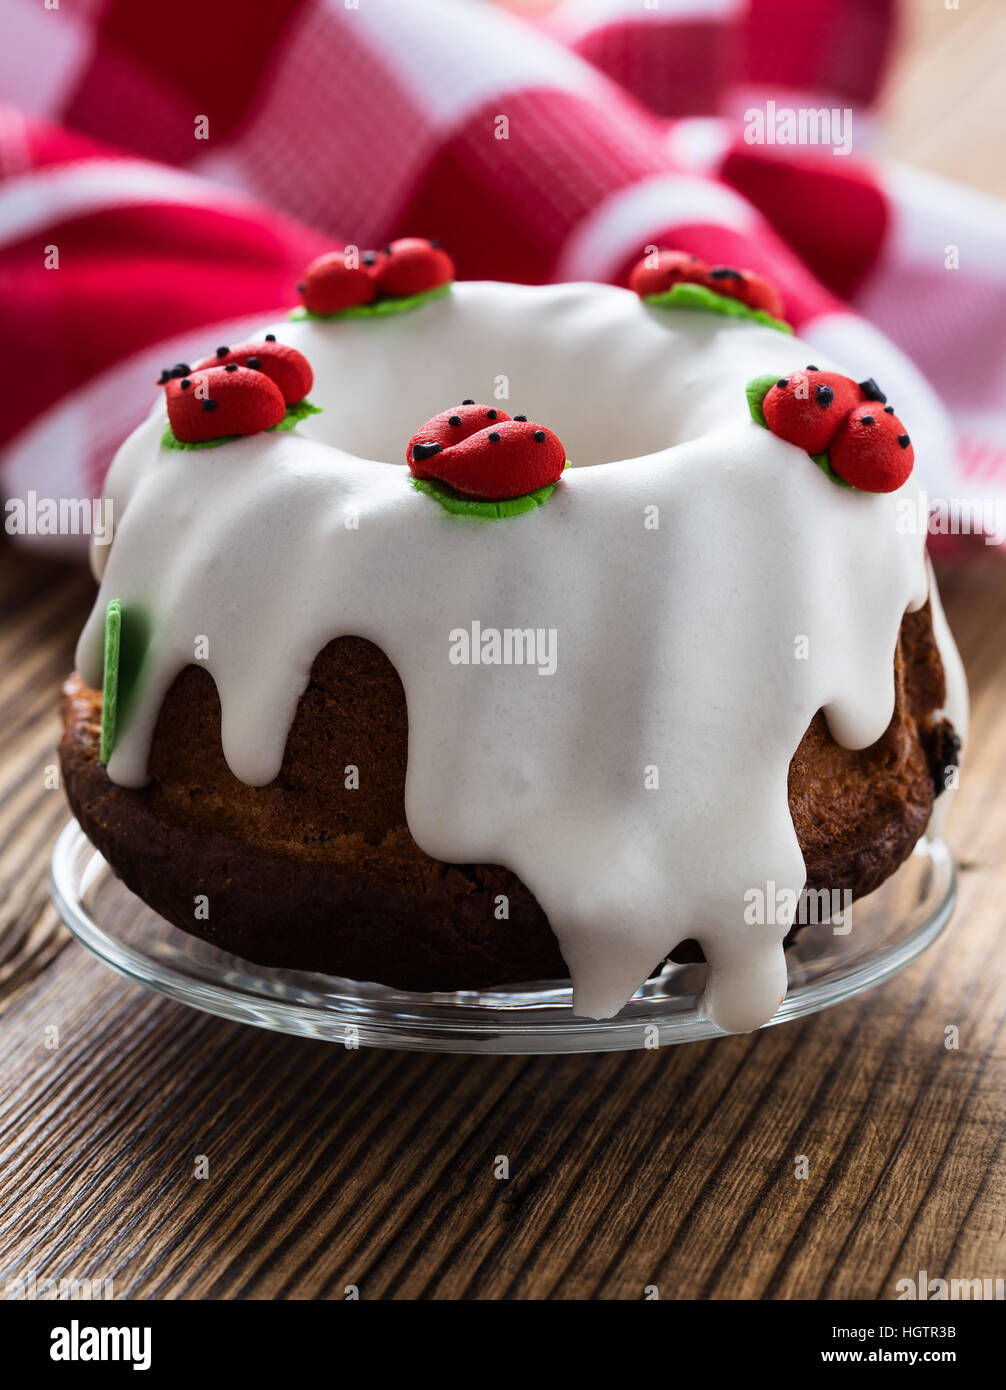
185,384
494,437
520,417
369,258
782,383
454,420
222,351
427,450
231,367
539,436
904,440
209,404
254,363
724,272
824,395
867,420
492,414
468,401
888,409
270,337
300,287
812,368
871,390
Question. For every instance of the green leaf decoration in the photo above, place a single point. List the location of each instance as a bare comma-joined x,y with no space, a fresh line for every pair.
756,390
127,640
399,304
294,414
824,463
110,679
169,440
453,502
688,296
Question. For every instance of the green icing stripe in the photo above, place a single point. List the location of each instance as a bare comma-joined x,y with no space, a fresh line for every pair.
483,511
397,305
127,642
688,296
294,415
110,679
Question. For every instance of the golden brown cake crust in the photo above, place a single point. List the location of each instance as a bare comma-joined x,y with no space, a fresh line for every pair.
307,873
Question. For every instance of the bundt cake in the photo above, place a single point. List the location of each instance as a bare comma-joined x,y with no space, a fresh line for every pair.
451,705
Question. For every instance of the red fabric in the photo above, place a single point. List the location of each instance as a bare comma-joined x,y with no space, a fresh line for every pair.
330,125
191,258
680,68
520,208
192,59
834,217
840,48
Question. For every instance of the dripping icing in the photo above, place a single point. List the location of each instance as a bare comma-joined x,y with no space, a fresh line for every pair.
676,646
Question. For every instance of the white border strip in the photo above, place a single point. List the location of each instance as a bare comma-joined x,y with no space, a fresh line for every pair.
35,201
622,223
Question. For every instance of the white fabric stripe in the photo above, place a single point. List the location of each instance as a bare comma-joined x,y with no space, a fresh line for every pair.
35,201
986,427
61,44
930,213
429,49
700,143
621,224
48,456
864,351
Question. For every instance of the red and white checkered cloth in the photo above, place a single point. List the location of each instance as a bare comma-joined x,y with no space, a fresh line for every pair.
360,120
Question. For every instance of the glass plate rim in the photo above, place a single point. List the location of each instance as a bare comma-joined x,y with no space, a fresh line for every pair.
383,1017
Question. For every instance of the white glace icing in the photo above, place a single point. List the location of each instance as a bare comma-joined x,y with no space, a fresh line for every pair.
706,587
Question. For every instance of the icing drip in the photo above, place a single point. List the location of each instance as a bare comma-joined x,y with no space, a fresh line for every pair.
640,790
956,705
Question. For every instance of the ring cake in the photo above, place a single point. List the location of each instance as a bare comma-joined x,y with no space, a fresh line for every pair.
457,635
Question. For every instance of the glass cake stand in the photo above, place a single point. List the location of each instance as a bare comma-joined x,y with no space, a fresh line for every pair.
889,929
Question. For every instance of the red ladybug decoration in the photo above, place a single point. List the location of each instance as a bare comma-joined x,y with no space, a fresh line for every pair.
330,285
872,449
660,273
284,365
482,453
222,401
656,274
807,407
748,286
412,265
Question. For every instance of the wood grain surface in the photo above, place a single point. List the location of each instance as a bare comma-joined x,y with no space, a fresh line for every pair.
329,1168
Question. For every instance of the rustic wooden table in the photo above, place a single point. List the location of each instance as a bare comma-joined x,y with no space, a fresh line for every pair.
330,1167
677,1168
